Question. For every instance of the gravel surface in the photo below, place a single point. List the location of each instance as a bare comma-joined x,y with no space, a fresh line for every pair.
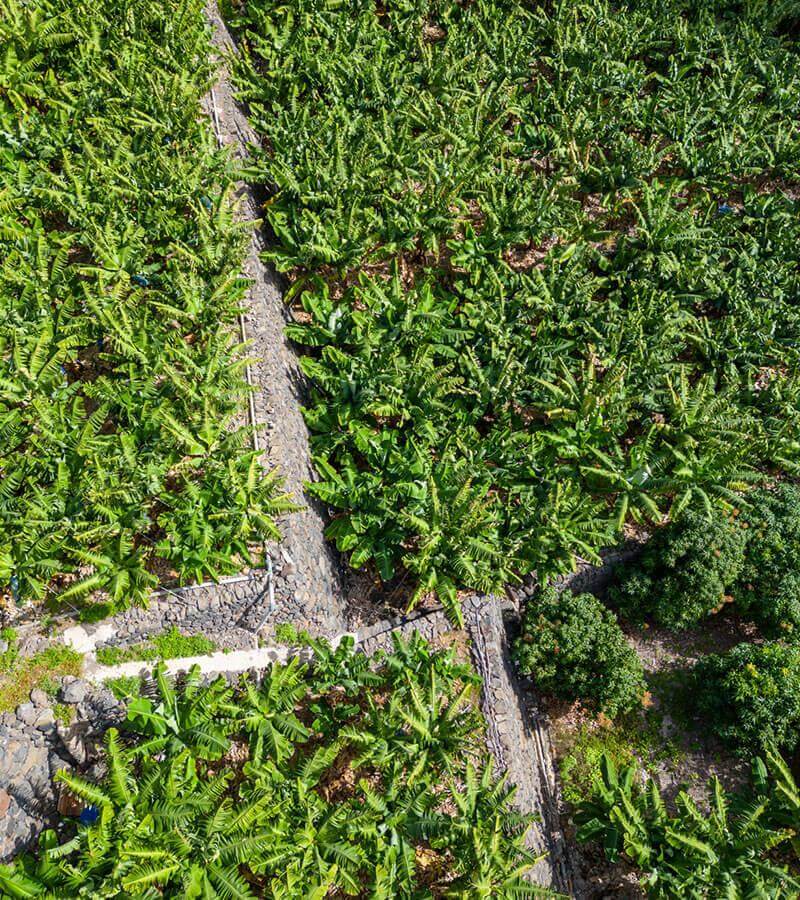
308,590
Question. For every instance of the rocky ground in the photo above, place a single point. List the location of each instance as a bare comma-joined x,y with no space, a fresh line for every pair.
34,745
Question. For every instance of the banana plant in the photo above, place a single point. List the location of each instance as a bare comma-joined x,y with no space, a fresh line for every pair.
119,289
192,717
198,798
693,852
508,255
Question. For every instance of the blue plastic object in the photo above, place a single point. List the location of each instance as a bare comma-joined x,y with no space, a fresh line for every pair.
89,815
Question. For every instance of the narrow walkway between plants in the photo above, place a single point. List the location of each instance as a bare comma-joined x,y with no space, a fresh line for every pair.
308,590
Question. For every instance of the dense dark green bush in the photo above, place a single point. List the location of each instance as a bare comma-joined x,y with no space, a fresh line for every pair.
690,567
573,647
683,572
750,696
768,587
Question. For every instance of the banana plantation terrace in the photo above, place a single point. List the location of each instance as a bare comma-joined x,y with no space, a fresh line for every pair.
400,449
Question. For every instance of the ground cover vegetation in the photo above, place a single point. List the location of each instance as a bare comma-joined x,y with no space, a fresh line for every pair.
344,779
630,741
170,644
736,845
119,289
19,674
543,262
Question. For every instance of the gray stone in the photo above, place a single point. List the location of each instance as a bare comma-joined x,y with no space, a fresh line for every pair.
32,644
45,718
73,691
56,764
18,750
73,738
39,698
26,713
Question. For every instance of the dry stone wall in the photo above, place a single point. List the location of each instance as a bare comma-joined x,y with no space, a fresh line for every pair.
518,739
587,577
34,746
308,589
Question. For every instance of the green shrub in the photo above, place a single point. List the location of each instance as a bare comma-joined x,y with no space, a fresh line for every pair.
286,633
683,572
64,713
768,587
574,649
750,696
297,787
9,656
692,566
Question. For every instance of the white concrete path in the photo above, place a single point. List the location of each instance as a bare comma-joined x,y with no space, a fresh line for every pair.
209,664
